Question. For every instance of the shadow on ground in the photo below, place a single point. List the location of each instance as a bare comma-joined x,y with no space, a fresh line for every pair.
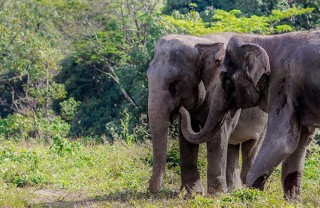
123,197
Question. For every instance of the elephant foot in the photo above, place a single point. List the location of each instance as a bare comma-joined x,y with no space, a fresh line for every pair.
259,182
156,182
234,187
216,190
192,189
219,186
234,182
292,187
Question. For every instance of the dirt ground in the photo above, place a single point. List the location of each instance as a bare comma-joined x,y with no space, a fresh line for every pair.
58,198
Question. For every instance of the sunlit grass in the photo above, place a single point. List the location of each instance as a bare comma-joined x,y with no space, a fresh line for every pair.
117,176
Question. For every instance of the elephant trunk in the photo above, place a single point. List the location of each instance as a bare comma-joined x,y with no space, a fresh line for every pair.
215,119
268,158
159,110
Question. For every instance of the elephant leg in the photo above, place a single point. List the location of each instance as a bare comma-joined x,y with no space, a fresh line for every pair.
292,167
282,137
217,156
190,176
249,150
233,168
217,159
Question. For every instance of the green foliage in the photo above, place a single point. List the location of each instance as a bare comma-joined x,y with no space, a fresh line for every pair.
21,127
233,22
11,197
186,6
16,126
74,66
21,168
310,21
123,130
201,201
28,57
259,7
248,8
63,146
173,157
317,137
69,108
106,71
116,176
246,196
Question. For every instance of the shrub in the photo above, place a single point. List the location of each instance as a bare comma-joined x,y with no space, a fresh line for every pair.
19,127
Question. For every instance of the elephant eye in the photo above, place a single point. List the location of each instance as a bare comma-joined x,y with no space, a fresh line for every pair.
227,83
173,87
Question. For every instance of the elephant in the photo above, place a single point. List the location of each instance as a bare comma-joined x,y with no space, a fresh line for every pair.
176,77
279,74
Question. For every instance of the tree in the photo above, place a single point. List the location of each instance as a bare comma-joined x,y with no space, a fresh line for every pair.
233,21
106,71
312,20
29,62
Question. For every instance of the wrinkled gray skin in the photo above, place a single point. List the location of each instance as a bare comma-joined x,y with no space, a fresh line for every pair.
176,79
280,74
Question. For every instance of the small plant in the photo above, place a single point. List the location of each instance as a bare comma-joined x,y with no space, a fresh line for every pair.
121,130
317,137
247,197
21,168
173,157
201,201
63,146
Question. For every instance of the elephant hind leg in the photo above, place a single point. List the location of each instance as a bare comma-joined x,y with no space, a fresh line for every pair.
233,168
292,167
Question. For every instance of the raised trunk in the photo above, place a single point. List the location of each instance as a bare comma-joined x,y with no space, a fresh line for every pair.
159,110
216,117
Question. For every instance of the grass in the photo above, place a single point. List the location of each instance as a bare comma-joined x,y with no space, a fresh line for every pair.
71,174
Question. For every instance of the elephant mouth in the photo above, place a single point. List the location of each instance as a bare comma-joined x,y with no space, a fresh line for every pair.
174,114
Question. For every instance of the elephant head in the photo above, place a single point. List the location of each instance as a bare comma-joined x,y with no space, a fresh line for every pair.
243,83
246,69
174,80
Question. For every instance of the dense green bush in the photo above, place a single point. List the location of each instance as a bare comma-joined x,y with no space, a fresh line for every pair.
20,127
207,9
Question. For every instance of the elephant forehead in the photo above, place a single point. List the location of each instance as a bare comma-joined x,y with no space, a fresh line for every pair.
172,63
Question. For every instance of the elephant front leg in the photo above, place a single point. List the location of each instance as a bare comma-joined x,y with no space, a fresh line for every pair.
217,159
292,167
190,176
217,156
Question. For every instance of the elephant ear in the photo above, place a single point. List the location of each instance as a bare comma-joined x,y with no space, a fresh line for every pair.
207,49
210,56
256,64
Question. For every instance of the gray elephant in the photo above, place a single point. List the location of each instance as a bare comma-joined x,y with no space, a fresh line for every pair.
177,77
281,75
